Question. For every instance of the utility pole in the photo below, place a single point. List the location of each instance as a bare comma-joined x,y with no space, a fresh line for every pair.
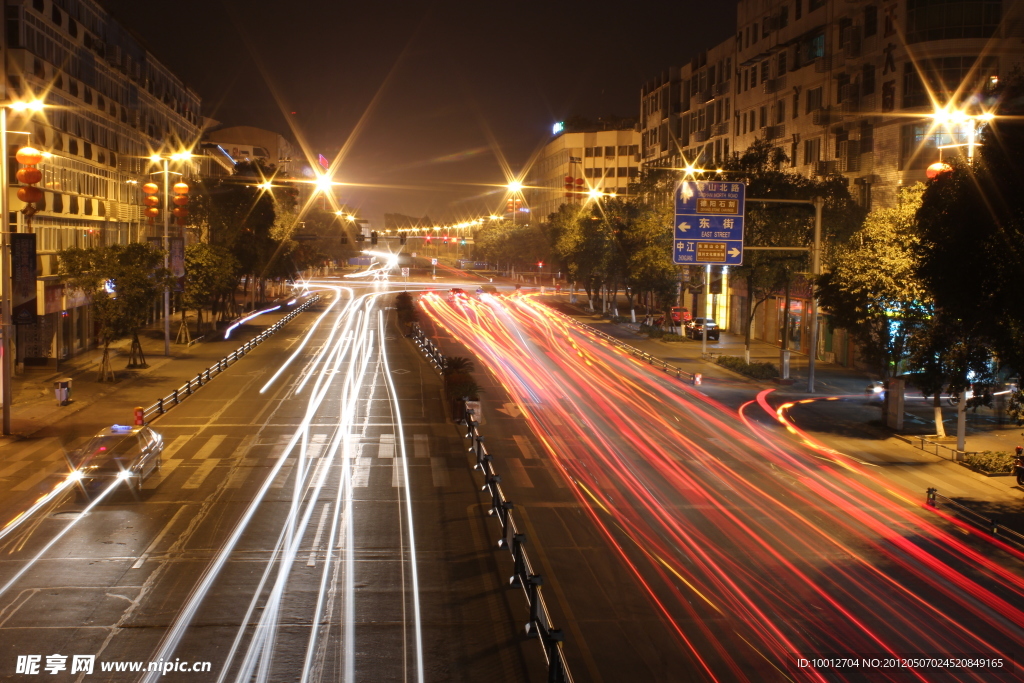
819,203
5,281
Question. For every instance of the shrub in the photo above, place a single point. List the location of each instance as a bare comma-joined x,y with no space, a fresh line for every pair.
669,336
618,319
990,461
757,369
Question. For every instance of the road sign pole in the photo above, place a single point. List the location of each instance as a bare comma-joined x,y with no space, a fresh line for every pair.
819,203
707,311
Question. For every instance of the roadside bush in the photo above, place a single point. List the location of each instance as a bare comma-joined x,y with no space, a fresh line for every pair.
405,306
618,319
652,331
990,461
672,337
756,370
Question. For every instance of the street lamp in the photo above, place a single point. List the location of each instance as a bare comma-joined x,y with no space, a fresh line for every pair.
6,362
953,118
165,160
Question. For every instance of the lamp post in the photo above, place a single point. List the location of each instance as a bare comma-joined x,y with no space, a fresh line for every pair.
515,188
165,160
6,362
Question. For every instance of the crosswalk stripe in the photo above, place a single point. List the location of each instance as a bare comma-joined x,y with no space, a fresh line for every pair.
361,473
209,447
14,467
311,561
386,449
34,448
525,447
517,472
243,448
282,475
238,477
201,473
172,448
166,470
421,446
439,472
38,477
397,474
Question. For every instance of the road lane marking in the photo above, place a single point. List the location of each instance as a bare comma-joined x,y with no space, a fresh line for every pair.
525,447
201,473
439,472
174,446
243,448
209,447
421,446
386,449
361,473
167,527
517,472
311,562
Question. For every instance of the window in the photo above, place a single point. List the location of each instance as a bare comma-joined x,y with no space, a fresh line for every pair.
920,142
100,102
72,146
754,32
623,150
634,149
87,150
867,137
841,81
867,79
780,111
796,103
634,171
72,27
945,76
88,95
784,17
813,99
812,150
870,20
609,151
623,172
55,16
762,116
37,5
765,71
588,172
73,87
945,19
588,152
815,4
753,77
782,63
798,12
745,81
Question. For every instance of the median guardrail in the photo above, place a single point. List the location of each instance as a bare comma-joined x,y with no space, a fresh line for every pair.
512,538
172,399
934,499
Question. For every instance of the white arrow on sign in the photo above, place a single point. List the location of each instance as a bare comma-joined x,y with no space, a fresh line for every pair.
685,226
510,409
734,252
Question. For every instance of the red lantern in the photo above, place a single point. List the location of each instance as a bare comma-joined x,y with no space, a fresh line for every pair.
152,212
937,169
150,188
30,156
180,188
180,200
579,181
180,212
30,175
569,179
151,201
30,195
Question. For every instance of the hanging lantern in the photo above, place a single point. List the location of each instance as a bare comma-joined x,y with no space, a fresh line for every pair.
937,169
30,156
180,188
150,188
30,175
30,195
180,200
180,212
152,212
151,201
569,179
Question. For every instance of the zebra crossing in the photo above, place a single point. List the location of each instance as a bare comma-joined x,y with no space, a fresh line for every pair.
197,461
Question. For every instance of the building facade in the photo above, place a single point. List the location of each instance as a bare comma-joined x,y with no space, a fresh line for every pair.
109,105
605,161
861,89
248,143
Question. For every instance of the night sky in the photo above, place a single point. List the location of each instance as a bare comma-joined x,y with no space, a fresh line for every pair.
433,83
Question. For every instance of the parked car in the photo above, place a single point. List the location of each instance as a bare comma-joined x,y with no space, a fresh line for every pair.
679,315
118,452
695,329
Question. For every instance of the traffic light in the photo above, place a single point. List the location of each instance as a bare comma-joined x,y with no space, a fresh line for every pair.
373,237
401,238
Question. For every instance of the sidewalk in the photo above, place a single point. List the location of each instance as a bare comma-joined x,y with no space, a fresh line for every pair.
35,412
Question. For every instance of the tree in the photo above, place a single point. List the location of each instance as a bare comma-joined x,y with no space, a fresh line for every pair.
582,242
122,284
871,288
211,273
762,166
512,245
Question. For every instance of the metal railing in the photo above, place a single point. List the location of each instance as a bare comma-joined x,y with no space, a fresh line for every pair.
512,539
932,447
172,399
523,575
979,520
632,350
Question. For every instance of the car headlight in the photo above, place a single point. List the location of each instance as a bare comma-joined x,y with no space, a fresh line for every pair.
124,474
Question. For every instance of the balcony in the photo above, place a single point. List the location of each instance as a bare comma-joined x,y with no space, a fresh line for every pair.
825,117
774,85
703,96
851,42
823,168
775,132
720,129
721,89
701,135
829,62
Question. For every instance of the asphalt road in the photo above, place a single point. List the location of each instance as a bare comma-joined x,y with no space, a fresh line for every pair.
683,540
328,528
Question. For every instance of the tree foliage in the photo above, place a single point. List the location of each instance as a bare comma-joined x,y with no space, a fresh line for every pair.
211,274
511,245
122,283
871,288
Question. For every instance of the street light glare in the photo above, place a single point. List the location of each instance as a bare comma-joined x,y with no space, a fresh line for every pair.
515,186
323,183
31,105
155,158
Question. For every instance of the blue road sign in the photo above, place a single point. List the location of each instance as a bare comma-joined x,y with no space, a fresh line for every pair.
709,223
